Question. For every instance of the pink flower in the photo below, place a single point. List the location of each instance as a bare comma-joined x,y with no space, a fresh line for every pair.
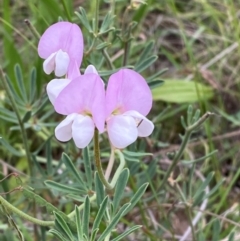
128,101
83,101
61,45
55,86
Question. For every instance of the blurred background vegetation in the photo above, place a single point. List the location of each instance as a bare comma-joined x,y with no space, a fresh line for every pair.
197,43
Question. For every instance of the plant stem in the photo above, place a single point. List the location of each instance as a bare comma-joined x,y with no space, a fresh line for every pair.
113,7
127,45
21,124
98,161
15,210
186,138
66,10
109,61
120,167
96,16
110,163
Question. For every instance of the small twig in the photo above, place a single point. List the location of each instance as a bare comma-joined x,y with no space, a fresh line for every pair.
32,29
186,138
216,58
11,167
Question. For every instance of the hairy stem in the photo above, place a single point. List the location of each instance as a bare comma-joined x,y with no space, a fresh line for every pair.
98,162
23,215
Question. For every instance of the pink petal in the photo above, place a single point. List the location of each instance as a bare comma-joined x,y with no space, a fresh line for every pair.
49,64
61,63
90,69
63,131
84,95
128,90
73,70
55,86
145,127
122,130
65,36
82,130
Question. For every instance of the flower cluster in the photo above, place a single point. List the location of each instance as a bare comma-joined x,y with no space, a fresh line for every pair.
120,109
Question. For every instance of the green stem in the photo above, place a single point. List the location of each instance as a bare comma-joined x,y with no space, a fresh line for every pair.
110,163
186,138
107,58
23,215
96,17
113,7
91,47
127,45
120,167
98,162
66,10
21,124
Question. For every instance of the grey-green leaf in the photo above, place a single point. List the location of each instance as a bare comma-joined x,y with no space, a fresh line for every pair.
79,224
86,217
100,214
63,188
137,197
119,189
72,169
99,189
60,222
114,221
126,233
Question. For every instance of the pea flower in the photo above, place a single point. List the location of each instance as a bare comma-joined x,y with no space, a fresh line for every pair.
128,101
83,101
55,86
61,45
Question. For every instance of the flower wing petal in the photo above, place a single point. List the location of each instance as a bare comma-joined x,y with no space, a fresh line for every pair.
82,130
49,64
122,130
62,35
55,86
90,69
128,90
63,131
145,127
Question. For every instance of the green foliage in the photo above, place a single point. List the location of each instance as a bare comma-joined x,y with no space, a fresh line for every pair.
188,53
180,91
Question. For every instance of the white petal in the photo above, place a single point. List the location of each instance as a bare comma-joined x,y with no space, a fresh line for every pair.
82,130
55,86
122,130
49,64
63,131
90,70
145,126
61,63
